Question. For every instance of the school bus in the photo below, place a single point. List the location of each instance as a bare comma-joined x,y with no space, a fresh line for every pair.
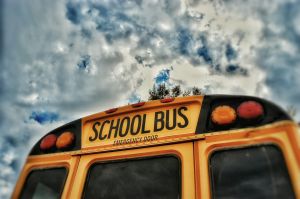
215,146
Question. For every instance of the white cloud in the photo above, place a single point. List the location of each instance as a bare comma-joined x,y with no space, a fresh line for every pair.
75,58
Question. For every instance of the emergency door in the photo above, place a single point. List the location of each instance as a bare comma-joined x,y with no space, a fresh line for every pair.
154,172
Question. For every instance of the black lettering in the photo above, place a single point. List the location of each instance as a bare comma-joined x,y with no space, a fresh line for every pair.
168,126
112,127
95,131
144,125
186,121
137,130
135,140
101,130
150,138
127,121
159,118
115,142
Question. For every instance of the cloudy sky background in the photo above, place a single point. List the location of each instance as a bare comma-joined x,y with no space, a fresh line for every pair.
62,60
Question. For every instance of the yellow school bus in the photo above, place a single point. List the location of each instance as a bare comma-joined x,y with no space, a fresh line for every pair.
216,146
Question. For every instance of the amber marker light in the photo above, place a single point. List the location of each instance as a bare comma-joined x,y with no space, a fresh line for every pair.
250,110
65,140
48,142
223,115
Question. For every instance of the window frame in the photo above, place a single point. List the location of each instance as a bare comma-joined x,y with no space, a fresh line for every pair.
66,170
183,152
247,147
133,159
48,162
241,139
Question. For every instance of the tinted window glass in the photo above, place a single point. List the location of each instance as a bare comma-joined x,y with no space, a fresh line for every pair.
255,172
44,183
144,178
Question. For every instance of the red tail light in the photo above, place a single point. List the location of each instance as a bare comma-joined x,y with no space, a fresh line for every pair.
250,110
48,142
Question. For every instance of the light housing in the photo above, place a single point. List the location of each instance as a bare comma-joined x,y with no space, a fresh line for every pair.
223,115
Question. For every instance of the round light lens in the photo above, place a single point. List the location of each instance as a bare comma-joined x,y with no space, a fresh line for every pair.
139,104
167,100
48,142
111,110
65,140
223,115
250,110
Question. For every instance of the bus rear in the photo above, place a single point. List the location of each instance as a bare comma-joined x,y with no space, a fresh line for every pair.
191,147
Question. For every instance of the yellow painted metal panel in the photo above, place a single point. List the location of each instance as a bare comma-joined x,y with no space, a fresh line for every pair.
151,124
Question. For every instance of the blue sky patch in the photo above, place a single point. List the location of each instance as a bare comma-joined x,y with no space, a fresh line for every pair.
230,53
184,40
163,76
84,62
234,69
204,53
44,117
72,13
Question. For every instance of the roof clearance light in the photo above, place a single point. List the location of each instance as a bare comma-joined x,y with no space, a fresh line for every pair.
48,142
167,100
65,140
223,115
111,110
139,104
250,110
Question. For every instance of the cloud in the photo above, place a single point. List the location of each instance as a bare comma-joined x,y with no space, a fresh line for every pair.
134,98
279,53
74,58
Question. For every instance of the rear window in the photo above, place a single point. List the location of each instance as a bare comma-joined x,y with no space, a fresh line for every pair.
149,178
44,184
253,172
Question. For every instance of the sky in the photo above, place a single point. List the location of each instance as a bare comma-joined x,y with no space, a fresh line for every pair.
62,60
